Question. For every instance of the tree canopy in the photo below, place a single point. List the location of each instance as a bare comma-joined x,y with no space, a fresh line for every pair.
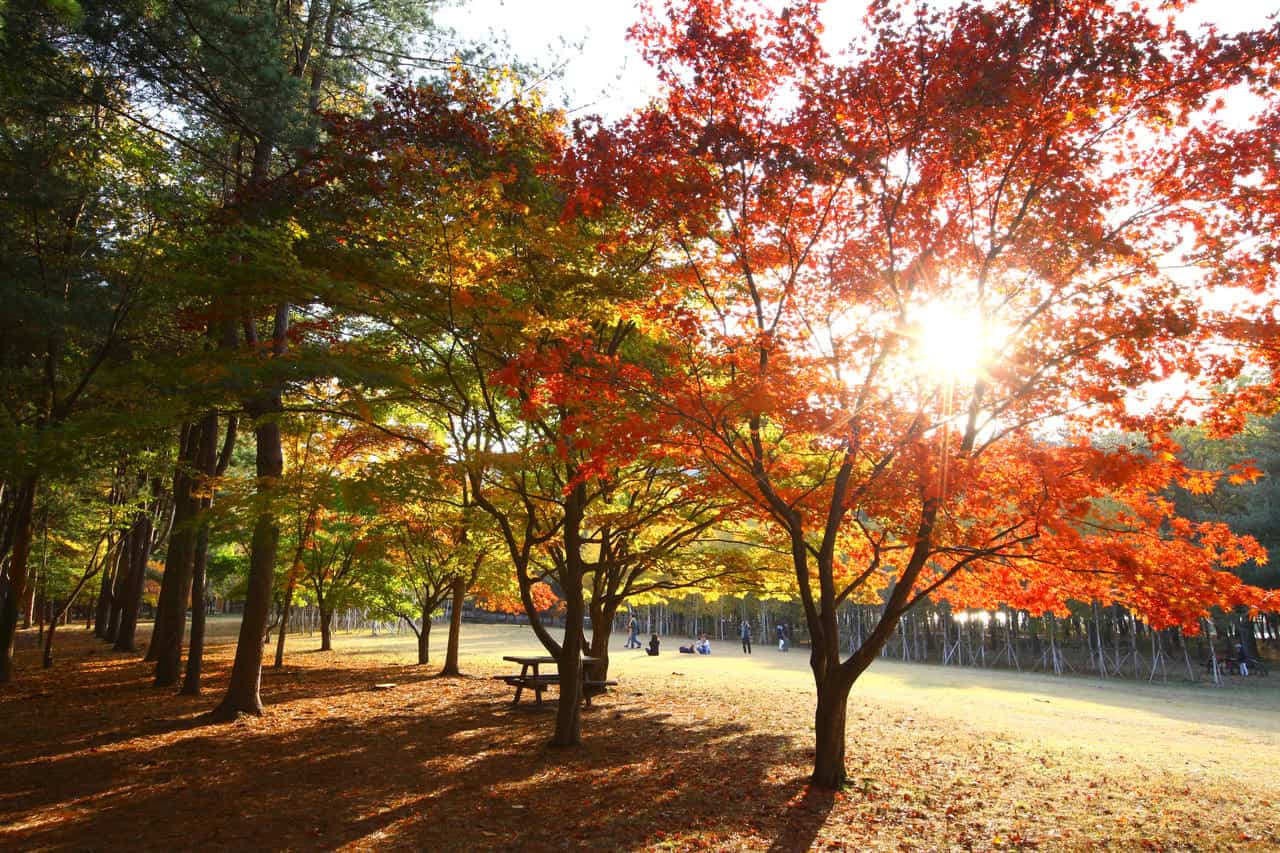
980,308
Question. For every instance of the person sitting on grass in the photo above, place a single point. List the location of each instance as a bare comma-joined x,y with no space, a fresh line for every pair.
653,646
703,646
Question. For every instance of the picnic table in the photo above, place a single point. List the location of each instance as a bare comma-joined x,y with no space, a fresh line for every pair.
530,678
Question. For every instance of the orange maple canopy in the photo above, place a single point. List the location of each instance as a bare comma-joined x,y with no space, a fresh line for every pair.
892,269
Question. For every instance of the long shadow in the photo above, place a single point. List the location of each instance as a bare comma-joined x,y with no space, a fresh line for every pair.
807,815
104,682
410,768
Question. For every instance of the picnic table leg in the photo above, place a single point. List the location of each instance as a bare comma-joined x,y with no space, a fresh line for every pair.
524,670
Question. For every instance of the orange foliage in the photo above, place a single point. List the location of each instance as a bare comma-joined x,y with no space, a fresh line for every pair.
985,162
509,602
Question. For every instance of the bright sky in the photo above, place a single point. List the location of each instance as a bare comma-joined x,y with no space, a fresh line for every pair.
603,73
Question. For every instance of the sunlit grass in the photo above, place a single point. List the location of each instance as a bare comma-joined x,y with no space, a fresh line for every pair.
1194,728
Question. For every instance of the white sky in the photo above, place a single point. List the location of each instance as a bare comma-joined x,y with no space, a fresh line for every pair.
603,73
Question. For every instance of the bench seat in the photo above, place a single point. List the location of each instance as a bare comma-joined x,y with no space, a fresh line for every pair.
539,683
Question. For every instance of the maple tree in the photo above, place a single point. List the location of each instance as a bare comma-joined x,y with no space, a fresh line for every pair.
443,214
907,282
325,457
439,546
904,320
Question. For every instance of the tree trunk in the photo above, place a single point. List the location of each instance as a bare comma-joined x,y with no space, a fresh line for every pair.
829,729
455,627
568,713
284,625
47,660
102,611
171,611
601,631
195,653
29,598
242,694
19,555
424,638
175,586
117,587
326,629
131,604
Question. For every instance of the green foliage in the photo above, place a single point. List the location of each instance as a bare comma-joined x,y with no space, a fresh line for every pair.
83,194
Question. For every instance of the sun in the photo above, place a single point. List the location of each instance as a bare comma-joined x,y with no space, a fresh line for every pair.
950,342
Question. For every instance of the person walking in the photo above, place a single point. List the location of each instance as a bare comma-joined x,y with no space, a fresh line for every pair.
782,637
633,640
746,637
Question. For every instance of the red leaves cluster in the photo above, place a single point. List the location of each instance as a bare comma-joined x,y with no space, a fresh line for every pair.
1034,163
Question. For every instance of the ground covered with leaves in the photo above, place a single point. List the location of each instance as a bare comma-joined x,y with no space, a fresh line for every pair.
687,753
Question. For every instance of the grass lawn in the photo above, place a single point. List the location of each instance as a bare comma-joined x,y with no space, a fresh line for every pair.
689,752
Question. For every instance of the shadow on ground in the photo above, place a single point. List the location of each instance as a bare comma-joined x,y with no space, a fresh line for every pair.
439,764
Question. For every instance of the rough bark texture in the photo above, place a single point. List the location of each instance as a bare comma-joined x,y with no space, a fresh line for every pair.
459,593
246,672
19,556
175,586
326,629
131,603
195,655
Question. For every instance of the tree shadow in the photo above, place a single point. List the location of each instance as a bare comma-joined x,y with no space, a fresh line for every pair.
807,815
440,764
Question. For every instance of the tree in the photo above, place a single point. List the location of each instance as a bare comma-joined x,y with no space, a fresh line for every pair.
82,199
443,213
437,554
248,81
646,533
907,283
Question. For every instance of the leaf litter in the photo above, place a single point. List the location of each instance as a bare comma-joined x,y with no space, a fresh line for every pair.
95,758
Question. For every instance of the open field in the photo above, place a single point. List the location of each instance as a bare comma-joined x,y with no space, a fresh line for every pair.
688,752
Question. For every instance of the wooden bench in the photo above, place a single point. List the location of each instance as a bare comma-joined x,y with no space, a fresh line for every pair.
536,683
539,683
530,679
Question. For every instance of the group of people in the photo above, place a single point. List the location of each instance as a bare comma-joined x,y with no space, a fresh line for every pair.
633,639
703,644
701,647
